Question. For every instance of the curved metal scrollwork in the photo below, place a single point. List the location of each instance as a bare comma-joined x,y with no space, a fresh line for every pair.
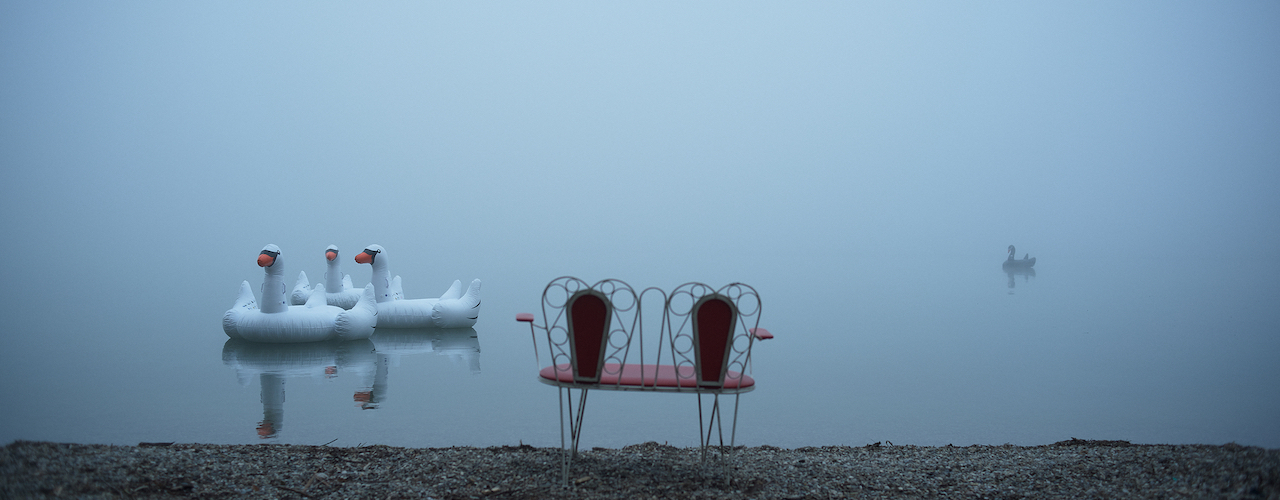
676,343
624,324
681,304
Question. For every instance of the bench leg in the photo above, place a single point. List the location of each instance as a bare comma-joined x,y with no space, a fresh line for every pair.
713,424
575,428
733,433
716,422
569,450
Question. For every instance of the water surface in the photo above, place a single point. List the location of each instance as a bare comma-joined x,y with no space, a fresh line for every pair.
947,353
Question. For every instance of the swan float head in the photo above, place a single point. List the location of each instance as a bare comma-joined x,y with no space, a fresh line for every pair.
273,296
381,279
369,255
338,283
267,257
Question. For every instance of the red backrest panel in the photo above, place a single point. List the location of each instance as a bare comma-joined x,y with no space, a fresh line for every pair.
588,324
714,329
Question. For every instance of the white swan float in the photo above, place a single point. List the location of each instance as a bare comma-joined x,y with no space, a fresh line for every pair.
338,289
454,309
277,322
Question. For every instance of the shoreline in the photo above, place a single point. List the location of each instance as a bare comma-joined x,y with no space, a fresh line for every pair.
1068,469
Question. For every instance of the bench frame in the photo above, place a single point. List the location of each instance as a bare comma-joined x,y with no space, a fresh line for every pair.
595,338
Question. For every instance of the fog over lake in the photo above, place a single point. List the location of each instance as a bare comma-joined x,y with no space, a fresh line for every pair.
863,166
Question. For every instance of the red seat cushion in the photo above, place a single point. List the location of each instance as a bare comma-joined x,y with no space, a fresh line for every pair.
652,376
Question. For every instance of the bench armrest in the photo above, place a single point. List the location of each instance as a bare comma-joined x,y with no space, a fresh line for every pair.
525,317
761,333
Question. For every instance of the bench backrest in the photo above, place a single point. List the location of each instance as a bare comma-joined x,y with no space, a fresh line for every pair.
597,329
589,325
710,330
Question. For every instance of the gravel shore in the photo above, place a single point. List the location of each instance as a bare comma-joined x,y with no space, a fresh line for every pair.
1069,469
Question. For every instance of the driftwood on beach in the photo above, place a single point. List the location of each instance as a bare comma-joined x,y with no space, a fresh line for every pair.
1069,469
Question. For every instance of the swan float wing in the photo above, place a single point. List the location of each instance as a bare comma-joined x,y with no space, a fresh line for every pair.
318,297
245,302
358,322
397,290
301,290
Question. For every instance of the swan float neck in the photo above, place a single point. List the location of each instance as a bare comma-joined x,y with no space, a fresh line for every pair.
374,256
333,274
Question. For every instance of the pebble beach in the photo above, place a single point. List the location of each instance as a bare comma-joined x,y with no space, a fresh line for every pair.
1068,469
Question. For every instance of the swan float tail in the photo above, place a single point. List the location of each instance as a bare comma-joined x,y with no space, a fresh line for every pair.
358,322
244,302
473,293
397,290
301,290
460,312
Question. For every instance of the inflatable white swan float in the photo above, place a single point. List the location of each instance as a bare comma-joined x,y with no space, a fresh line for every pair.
337,286
277,322
454,309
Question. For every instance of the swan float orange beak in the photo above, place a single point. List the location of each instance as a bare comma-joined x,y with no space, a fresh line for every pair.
266,259
364,257
330,255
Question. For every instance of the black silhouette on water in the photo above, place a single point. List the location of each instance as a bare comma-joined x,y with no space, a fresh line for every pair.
1021,266
1027,261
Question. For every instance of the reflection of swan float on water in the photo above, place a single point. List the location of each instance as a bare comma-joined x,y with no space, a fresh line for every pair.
462,345
454,309
337,286
1026,272
368,360
274,363
459,344
276,321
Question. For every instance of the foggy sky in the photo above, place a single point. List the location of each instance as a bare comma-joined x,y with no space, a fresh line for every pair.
172,134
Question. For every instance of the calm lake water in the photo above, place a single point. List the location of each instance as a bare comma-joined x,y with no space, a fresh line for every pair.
946,353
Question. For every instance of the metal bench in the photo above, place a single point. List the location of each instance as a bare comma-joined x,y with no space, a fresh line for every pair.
595,335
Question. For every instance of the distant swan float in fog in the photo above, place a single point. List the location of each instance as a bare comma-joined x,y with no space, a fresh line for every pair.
338,289
1025,262
454,309
278,322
